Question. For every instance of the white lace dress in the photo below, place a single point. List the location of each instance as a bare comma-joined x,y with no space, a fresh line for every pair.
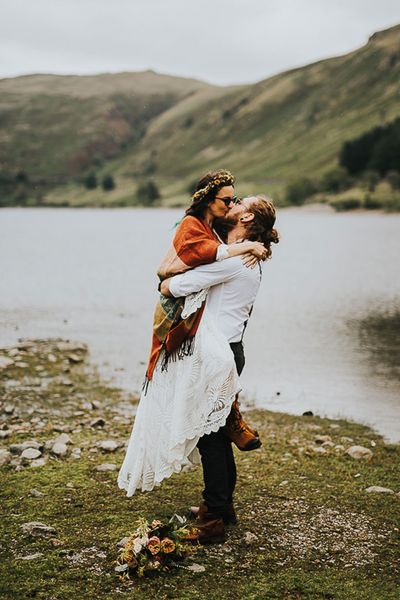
192,398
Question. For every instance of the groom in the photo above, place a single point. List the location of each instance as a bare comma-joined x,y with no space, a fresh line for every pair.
233,289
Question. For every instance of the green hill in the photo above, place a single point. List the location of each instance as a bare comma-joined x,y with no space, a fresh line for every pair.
141,125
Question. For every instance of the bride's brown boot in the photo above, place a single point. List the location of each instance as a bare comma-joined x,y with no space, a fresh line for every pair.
209,528
237,430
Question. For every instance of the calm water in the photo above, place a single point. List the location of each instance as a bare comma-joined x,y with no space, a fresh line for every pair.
324,331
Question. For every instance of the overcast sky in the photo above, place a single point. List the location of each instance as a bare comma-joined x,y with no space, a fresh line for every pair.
221,41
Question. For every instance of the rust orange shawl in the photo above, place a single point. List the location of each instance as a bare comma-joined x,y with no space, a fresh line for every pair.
194,244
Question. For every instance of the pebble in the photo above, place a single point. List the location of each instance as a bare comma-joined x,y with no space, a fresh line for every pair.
250,538
74,358
36,493
320,439
107,467
21,364
196,568
31,556
5,457
108,445
39,462
98,422
63,438
122,542
51,358
59,449
5,362
37,528
30,454
359,452
9,409
378,489
4,433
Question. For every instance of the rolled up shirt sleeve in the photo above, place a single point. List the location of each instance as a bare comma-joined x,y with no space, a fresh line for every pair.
222,252
204,277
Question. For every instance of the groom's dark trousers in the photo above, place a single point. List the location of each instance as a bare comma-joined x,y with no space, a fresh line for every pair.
219,469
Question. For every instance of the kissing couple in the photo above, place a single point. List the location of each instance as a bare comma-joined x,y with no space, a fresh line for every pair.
188,411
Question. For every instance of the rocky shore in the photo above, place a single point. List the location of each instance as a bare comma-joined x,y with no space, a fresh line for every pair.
318,504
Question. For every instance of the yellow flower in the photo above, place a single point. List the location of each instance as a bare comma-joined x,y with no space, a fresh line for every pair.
167,545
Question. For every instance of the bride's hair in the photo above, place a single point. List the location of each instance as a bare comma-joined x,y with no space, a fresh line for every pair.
261,228
206,190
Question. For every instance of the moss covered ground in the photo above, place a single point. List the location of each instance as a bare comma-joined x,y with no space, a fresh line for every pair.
317,533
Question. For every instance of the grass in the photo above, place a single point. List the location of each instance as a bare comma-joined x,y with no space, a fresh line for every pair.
319,534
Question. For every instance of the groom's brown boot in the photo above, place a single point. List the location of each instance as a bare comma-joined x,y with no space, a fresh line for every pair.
229,516
239,432
209,528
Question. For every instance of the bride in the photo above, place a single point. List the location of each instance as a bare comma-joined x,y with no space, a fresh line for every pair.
190,387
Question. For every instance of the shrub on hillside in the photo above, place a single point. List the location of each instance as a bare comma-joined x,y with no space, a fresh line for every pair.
108,183
336,180
148,193
90,181
299,190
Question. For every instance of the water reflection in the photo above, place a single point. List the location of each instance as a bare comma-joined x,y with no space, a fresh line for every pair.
379,339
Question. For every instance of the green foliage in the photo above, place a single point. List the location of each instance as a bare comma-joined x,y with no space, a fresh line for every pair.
336,180
108,183
378,149
347,204
148,193
393,179
299,190
370,180
90,181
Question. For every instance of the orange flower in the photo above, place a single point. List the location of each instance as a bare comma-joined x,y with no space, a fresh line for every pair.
167,545
154,544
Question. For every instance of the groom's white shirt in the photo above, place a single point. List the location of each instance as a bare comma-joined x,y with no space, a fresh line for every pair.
233,289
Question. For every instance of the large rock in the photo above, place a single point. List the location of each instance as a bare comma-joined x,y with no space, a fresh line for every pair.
19,448
360,452
30,454
70,346
37,528
378,489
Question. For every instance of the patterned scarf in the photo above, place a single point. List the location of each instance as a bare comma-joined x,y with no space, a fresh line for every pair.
194,244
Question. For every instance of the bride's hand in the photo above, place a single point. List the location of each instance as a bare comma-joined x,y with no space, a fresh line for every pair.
249,260
259,250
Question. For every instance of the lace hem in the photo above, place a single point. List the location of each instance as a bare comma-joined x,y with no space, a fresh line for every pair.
192,399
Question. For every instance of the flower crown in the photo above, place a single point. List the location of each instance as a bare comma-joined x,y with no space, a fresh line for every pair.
221,178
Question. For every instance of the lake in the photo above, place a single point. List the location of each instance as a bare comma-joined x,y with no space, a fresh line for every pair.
324,334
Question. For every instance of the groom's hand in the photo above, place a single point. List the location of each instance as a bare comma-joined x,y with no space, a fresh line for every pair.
164,288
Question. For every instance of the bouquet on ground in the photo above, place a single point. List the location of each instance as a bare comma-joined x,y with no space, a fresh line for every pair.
155,546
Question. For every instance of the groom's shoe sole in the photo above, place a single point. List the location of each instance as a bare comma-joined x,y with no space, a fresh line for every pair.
252,445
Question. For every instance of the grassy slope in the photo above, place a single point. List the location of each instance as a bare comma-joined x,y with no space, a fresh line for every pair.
267,133
319,534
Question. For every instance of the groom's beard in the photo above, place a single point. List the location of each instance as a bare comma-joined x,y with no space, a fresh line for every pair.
223,225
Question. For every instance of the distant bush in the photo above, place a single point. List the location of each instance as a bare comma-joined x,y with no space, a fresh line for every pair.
299,190
148,193
393,179
372,203
377,150
90,181
370,180
108,183
336,180
347,204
